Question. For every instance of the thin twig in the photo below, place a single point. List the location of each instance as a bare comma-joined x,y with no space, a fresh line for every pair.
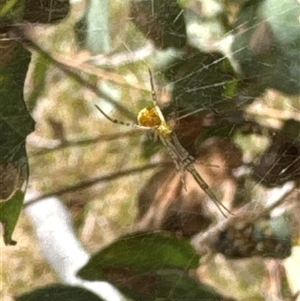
51,145
120,59
91,182
65,65
201,238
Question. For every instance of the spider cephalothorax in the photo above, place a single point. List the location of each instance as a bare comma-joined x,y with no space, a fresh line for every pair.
152,118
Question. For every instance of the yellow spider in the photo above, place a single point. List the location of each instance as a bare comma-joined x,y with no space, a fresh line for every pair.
152,119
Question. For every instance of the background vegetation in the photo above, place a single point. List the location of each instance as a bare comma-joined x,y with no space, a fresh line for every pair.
98,52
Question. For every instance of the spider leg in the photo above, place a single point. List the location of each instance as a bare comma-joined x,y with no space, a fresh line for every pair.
136,126
181,154
178,164
154,99
153,94
203,185
111,119
207,164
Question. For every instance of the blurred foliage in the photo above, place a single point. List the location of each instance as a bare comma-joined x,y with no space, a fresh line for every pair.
240,238
231,96
46,12
267,44
160,21
15,121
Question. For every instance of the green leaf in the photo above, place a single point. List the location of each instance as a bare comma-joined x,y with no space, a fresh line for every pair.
15,121
169,286
15,125
149,266
12,9
59,292
141,253
160,21
211,83
9,214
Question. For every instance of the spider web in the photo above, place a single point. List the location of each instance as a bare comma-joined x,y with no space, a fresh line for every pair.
206,98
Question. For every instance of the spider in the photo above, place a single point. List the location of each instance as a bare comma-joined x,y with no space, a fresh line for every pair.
152,119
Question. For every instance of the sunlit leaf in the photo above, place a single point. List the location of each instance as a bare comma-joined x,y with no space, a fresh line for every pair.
167,286
141,253
149,266
9,214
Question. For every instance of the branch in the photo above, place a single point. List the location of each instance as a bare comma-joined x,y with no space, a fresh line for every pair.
280,198
69,67
51,145
120,59
91,182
